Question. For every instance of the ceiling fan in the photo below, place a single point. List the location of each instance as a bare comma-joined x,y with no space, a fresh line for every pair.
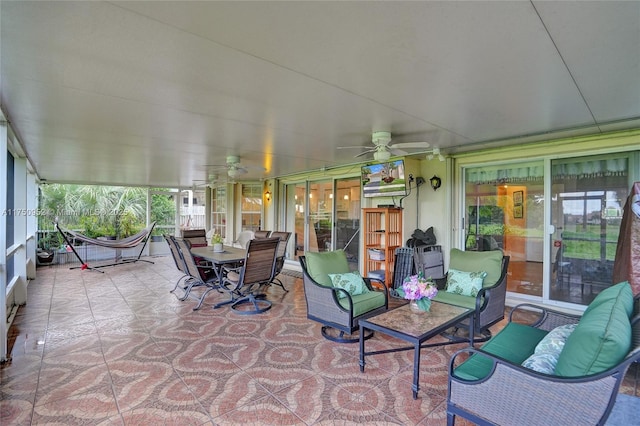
232,166
382,150
213,180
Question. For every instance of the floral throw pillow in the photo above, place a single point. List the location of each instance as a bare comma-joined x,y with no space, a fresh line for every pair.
352,282
465,283
545,356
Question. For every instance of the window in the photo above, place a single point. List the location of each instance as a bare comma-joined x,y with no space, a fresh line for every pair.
219,210
251,207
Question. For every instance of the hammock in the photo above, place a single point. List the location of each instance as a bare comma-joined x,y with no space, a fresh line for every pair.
118,245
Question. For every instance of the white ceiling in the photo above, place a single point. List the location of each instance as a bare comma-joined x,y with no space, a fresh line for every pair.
148,93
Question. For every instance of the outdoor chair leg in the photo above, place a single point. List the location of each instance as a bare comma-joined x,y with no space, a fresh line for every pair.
279,283
260,305
341,337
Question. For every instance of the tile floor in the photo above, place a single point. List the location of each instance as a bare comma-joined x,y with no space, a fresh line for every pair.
118,349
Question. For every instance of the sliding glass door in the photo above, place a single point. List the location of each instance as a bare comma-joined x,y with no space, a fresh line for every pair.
347,219
505,211
324,215
587,198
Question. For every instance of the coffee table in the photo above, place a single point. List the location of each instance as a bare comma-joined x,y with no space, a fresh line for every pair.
415,328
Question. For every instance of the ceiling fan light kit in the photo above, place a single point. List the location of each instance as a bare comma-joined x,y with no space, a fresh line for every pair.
381,155
435,153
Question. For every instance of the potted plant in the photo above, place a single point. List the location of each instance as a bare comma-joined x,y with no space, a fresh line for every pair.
46,249
216,242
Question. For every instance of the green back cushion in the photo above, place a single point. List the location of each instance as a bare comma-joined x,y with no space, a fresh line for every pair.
515,342
620,293
352,282
603,336
475,261
320,265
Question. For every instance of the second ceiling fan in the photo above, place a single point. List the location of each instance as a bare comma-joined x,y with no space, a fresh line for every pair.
382,149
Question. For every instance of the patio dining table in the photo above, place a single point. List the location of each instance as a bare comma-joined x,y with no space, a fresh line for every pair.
218,259
229,255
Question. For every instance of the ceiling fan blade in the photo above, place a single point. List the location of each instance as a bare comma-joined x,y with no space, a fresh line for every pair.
369,151
358,147
410,145
396,151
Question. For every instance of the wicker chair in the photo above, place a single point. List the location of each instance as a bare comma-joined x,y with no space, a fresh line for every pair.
512,394
489,304
282,250
402,268
334,308
256,270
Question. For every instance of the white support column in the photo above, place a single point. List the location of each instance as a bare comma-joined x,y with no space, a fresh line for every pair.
32,225
3,242
20,229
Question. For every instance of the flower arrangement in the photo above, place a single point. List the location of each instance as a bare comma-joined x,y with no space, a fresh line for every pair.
419,290
216,239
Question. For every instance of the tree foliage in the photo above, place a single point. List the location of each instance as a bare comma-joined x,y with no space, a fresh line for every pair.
101,210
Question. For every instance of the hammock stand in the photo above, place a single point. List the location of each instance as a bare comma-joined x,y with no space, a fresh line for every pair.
118,245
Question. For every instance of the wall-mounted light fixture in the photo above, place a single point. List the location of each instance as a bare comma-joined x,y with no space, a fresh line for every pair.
267,195
435,182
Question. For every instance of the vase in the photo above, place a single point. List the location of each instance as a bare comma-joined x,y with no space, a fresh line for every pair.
426,305
218,248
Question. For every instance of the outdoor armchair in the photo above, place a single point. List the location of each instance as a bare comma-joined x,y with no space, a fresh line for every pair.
489,302
335,308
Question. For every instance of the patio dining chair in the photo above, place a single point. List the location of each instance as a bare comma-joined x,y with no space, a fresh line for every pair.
261,234
177,260
282,250
199,275
243,238
196,237
242,283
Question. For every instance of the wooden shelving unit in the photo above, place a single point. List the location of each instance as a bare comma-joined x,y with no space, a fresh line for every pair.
382,232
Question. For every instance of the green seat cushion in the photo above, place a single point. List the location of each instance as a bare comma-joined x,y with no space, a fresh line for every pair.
456,299
352,282
515,342
476,261
363,303
321,264
602,338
